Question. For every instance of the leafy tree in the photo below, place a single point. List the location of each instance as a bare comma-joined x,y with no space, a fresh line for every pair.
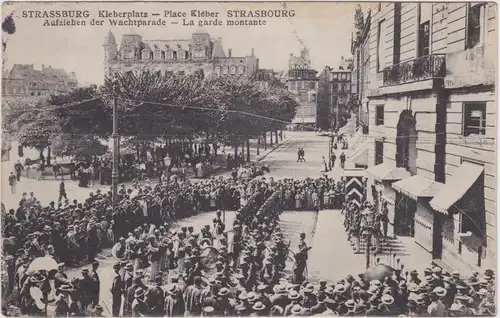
9,27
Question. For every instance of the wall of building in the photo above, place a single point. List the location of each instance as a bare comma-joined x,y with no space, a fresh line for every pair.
482,151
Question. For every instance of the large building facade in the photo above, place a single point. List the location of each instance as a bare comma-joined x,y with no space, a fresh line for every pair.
185,56
431,105
334,97
24,81
303,83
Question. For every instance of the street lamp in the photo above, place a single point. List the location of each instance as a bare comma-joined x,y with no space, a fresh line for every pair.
116,140
368,218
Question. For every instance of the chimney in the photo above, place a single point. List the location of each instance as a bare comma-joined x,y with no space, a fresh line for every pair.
229,52
252,52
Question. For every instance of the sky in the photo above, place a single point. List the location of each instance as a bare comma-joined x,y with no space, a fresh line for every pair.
324,27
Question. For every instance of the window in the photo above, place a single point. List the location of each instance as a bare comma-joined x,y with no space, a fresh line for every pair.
380,45
303,84
424,28
186,55
170,55
379,152
241,69
475,18
233,70
344,76
379,115
174,55
335,76
32,94
180,54
199,53
224,70
158,55
217,70
128,53
397,33
335,88
474,119
181,73
146,55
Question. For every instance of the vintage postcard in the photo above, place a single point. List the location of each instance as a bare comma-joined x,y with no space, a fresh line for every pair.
249,158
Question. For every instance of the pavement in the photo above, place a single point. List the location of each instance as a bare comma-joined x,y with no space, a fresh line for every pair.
48,190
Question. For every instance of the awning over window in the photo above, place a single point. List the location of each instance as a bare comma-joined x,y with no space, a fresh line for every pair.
456,186
418,187
387,172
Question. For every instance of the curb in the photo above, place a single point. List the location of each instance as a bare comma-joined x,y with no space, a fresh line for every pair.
272,150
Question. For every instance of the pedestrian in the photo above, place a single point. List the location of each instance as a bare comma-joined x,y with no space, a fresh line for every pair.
62,192
325,164
12,182
342,160
96,284
332,159
18,167
117,289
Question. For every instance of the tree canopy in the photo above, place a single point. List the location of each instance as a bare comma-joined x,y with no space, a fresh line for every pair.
153,106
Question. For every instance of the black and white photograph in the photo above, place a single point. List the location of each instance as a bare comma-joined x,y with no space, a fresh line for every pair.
249,158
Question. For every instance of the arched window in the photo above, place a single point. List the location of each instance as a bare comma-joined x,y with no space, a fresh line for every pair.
146,54
128,53
199,53
241,69
158,55
406,151
224,70
180,54
233,70
174,55
217,70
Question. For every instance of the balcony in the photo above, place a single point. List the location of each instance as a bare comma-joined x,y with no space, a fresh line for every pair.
416,70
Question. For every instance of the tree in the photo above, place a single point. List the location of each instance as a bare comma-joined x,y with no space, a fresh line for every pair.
38,133
80,146
9,27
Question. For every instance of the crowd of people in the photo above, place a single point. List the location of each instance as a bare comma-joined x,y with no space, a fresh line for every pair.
166,272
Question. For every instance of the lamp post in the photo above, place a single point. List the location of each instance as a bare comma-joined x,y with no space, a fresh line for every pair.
116,140
368,217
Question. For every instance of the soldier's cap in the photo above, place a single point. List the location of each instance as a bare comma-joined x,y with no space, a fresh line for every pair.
376,282
85,270
462,297
95,263
66,288
59,265
427,271
129,266
461,286
414,272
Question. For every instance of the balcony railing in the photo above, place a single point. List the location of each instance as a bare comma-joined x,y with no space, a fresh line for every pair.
419,69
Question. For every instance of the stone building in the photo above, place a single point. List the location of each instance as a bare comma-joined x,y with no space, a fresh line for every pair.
184,56
431,101
361,67
24,81
334,92
303,83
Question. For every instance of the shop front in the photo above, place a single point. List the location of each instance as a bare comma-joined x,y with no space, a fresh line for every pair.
385,198
418,217
460,217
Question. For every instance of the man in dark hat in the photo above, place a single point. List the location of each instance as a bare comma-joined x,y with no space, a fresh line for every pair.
117,290
86,287
193,298
96,283
155,298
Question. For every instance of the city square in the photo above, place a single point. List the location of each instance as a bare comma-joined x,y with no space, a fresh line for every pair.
172,177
